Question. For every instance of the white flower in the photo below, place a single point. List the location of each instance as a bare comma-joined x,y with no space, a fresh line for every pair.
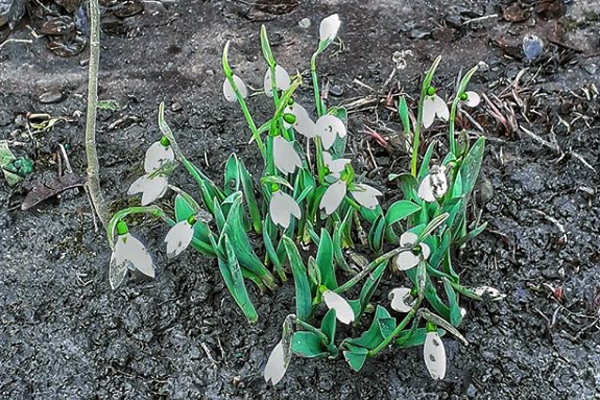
152,186
333,197
366,196
434,185
409,259
282,208
402,300
276,364
282,80
435,355
303,124
130,253
179,238
284,156
434,105
328,127
156,155
228,91
329,28
471,99
335,166
343,311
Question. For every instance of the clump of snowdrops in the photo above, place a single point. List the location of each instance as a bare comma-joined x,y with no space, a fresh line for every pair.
311,216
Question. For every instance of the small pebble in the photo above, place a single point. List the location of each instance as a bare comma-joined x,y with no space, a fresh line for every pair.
590,68
454,21
176,107
336,90
304,23
533,47
51,96
419,34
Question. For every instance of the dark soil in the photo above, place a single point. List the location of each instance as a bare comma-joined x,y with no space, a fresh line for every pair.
65,335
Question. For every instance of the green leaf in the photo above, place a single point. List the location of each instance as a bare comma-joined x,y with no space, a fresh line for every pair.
424,170
325,261
455,315
471,235
226,68
266,47
433,225
250,196
338,252
457,187
328,325
339,145
183,210
355,356
471,165
440,250
408,185
275,180
272,254
314,275
376,234
301,284
232,175
403,113
400,210
414,337
367,291
371,215
383,324
308,344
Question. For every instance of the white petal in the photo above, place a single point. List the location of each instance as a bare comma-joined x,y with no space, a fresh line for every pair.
156,155
366,196
282,80
408,239
441,108
401,299
426,190
151,188
329,28
335,166
285,157
276,365
425,251
428,111
304,125
343,311
434,185
228,91
282,207
116,271
333,197
472,100
178,238
131,250
435,355
406,260
328,127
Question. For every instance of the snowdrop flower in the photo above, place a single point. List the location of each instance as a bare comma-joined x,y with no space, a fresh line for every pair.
402,300
435,355
329,28
276,364
282,208
284,156
329,127
282,80
130,253
228,91
159,153
434,105
335,166
434,185
471,99
179,237
302,124
152,186
365,195
343,311
410,258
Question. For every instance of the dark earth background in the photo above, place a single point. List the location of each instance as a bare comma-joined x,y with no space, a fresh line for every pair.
65,335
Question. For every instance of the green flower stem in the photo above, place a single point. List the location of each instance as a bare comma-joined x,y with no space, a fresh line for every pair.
399,328
368,269
451,136
319,157
314,330
315,81
353,203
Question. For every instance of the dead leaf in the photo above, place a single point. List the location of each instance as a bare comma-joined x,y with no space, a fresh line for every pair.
43,191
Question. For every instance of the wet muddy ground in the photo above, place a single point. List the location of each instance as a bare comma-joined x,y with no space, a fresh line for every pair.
65,335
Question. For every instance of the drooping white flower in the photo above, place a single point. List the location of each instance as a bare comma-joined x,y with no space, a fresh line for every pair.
434,105
228,91
335,166
434,185
333,197
282,208
329,127
435,355
152,186
282,80
157,154
303,124
284,156
401,300
179,238
343,311
366,195
329,28
276,365
470,99
129,252
410,258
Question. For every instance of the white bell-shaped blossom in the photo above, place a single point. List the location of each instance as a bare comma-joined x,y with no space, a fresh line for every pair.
228,91
343,310
179,238
434,185
435,355
329,127
470,99
156,155
329,28
152,186
277,364
282,208
282,80
284,156
130,253
333,197
303,124
434,105
401,300
410,258
366,195
335,166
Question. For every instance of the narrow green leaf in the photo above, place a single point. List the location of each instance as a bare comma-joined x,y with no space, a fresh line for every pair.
383,323
471,165
325,261
250,196
368,289
232,175
302,286
376,234
424,170
471,235
328,325
400,210
414,337
403,113
455,315
266,47
356,356
272,254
